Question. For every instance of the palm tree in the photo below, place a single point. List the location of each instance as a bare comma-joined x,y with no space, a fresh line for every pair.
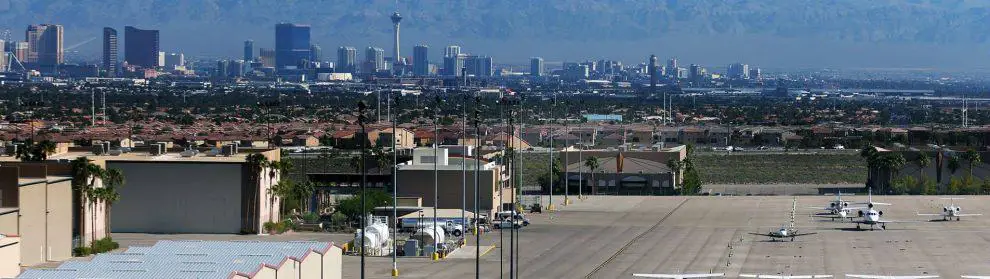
112,179
974,159
302,192
923,161
81,186
96,173
953,164
280,190
869,153
256,162
592,164
675,169
892,163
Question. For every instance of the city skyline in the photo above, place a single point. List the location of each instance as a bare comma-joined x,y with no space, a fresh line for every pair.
771,43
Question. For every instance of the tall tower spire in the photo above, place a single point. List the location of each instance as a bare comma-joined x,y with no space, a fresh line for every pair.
396,18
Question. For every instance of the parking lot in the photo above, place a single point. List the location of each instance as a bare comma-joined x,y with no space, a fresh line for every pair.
613,237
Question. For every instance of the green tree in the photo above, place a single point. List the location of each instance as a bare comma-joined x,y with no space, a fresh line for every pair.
351,207
923,161
113,179
257,163
929,185
891,163
973,158
81,186
593,165
34,152
903,185
953,164
675,169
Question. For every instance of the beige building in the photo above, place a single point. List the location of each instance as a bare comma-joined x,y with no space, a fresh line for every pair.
10,255
38,205
179,192
404,138
209,259
630,172
416,179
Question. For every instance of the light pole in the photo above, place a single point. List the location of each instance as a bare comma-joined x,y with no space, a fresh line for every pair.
436,170
511,163
395,184
364,175
477,181
464,156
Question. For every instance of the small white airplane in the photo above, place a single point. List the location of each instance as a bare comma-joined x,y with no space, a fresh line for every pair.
679,276
840,208
889,277
784,276
949,211
871,216
785,231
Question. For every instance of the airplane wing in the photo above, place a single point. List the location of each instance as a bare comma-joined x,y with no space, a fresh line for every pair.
890,277
762,234
784,276
802,234
930,214
975,277
969,214
679,276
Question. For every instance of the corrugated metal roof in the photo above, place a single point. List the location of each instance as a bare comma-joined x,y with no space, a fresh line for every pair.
182,259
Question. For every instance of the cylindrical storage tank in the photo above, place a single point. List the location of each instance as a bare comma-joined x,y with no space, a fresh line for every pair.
425,235
375,236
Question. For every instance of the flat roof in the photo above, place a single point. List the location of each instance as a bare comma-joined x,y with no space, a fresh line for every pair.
144,156
183,259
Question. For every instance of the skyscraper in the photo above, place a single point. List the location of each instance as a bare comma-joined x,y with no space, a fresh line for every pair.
3,55
315,53
20,51
421,60
267,57
479,66
536,66
346,57
141,47
45,44
292,44
452,65
374,59
249,50
738,71
110,51
396,18
672,67
452,51
653,73
174,60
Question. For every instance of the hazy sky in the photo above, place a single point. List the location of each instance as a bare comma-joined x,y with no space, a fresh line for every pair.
948,35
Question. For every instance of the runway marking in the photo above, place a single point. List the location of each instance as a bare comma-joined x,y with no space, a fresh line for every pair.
637,238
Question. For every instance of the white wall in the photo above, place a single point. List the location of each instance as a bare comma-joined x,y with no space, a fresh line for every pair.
186,197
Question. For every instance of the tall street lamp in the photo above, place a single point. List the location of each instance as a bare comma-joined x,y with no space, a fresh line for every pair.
362,107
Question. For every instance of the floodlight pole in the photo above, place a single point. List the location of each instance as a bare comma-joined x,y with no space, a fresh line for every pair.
364,177
477,181
395,184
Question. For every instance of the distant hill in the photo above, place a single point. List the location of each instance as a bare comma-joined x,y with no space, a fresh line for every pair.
598,26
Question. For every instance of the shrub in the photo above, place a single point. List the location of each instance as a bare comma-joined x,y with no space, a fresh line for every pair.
81,251
104,245
311,217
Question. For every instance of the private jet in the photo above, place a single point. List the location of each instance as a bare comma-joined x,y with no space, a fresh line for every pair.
871,216
889,277
679,276
783,276
839,208
950,211
786,231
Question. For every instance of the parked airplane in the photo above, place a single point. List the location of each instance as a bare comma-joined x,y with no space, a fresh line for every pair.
787,230
950,211
679,276
871,216
784,276
889,277
840,208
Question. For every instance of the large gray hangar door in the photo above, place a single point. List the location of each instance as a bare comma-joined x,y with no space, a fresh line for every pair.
178,197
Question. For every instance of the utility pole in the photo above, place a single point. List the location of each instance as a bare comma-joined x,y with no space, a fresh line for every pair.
364,176
477,181
395,186
436,170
